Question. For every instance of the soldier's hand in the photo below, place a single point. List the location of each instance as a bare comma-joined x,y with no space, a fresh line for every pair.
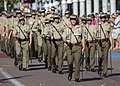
83,49
111,48
29,44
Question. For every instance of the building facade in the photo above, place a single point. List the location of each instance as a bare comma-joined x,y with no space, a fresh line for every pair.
81,7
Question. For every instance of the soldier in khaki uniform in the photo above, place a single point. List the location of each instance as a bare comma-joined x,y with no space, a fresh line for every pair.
41,29
23,36
104,44
52,12
15,23
4,18
9,28
57,29
33,26
90,37
66,22
47,44
77,45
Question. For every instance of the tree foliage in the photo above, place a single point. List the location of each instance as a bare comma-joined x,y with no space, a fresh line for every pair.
1,3
11,2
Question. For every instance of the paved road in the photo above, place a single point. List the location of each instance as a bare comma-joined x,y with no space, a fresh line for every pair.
38,76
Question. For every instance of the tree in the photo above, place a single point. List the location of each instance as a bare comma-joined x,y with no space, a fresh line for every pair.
11,2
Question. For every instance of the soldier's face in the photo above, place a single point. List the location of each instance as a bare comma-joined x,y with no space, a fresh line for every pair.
42,14
22,22
33,16
67,15
103,19
73,22
18,15
89,22
56,20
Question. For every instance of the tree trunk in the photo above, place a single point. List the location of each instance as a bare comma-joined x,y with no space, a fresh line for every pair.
5,5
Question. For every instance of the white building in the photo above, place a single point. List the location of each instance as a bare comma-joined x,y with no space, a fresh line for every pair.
81,7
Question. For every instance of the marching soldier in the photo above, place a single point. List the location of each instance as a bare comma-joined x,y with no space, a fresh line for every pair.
23,36
57,29
15,22
47,44
77,44
41,20
9,29
33,26
90,35
104,44
66,22
52,13
3,33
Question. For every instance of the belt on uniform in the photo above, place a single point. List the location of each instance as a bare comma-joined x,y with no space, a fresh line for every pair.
58,39
24,40
103,40
76,44
92,41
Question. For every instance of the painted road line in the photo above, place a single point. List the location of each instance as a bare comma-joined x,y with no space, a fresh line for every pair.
10,78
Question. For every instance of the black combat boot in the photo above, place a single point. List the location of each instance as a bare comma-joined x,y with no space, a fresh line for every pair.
100,66
16,62
70,72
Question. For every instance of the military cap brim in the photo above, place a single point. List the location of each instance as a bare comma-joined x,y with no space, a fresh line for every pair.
48,12
73,17
21,18
46,21
33,13
103,16
51,19
42,10
18,12
28,15
67,12
53,8
56,17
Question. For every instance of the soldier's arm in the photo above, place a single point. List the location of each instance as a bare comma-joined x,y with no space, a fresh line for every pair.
30,37
83,44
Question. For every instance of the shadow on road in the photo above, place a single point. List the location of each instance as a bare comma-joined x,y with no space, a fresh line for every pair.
1,80
91,79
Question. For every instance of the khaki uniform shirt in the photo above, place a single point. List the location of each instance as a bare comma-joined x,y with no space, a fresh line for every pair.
3,21
106,28
47,30
66,21
42,24
75,36
32,24
15,21
57,34
92,31
18,33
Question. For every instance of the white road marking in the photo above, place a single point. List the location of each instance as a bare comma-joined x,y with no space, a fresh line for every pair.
10,78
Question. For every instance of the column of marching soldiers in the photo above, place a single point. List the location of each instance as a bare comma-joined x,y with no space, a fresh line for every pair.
49,38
